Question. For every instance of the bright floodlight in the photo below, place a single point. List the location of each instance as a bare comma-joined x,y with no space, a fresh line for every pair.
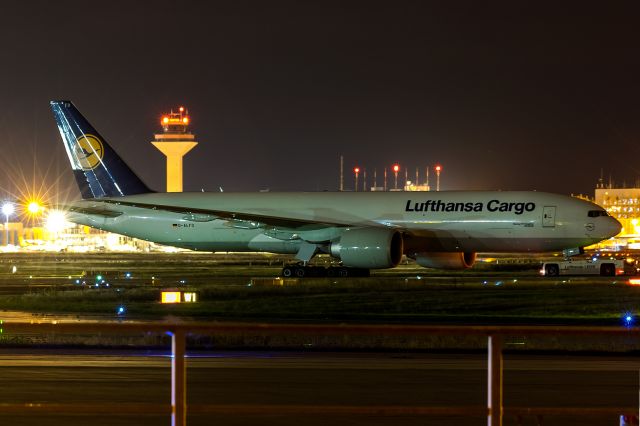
56,221
8,209
33,207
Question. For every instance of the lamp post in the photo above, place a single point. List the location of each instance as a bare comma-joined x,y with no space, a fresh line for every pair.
385,179
364,180
438,169
356,171
396,168
7,210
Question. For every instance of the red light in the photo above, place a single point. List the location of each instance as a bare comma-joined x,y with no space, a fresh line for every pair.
357,170
438,168
396,168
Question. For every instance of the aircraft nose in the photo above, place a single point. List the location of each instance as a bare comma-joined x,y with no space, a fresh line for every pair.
603,227
612,227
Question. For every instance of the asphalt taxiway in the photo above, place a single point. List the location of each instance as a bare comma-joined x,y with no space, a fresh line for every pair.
257,388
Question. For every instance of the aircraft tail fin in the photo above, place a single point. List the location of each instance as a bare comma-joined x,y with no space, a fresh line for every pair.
98,169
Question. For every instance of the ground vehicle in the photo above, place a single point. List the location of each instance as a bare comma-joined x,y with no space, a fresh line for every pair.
590,266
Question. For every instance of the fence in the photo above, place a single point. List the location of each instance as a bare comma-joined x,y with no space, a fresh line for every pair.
495,335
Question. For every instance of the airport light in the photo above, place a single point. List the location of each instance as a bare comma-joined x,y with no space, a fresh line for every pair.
385,179
56,221
438,170
396,169
34,207
170,297
178,296
356,171
364,180
7,210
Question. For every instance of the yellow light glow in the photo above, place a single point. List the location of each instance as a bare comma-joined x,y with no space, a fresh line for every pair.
634,281
165,120
185,120
189,297
170,297
34,207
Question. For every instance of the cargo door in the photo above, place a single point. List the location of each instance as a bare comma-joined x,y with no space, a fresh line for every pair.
549,216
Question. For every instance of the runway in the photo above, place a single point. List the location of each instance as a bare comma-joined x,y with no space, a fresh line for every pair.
235,384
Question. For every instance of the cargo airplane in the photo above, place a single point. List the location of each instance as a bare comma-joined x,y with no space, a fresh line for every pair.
360,230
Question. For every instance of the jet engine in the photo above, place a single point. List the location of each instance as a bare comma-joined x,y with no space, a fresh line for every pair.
445,260
371,248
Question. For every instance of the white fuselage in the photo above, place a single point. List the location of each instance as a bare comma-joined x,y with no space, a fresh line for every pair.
468,221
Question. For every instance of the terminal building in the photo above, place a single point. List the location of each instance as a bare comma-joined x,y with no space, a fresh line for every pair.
624,205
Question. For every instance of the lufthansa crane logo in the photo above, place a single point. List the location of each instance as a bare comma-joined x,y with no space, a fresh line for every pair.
89,151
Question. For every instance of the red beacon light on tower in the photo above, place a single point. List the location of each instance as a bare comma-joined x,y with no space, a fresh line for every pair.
176,122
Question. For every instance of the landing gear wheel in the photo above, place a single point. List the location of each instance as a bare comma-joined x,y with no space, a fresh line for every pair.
608,270
287,272
300,271
552,270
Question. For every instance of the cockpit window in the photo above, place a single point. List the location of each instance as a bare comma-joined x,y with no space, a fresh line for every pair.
596,213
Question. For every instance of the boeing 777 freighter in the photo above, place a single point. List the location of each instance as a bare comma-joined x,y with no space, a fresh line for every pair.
361,230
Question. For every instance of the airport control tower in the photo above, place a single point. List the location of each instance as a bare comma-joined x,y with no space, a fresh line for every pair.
174,142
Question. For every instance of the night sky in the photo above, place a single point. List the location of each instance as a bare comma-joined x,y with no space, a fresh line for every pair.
522,95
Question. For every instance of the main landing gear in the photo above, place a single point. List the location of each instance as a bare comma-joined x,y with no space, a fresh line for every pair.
301,271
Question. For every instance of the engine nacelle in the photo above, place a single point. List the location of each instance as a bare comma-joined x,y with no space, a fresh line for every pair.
446,260
371,248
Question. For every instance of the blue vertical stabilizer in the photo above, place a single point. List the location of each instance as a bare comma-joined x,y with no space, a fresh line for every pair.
99,171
